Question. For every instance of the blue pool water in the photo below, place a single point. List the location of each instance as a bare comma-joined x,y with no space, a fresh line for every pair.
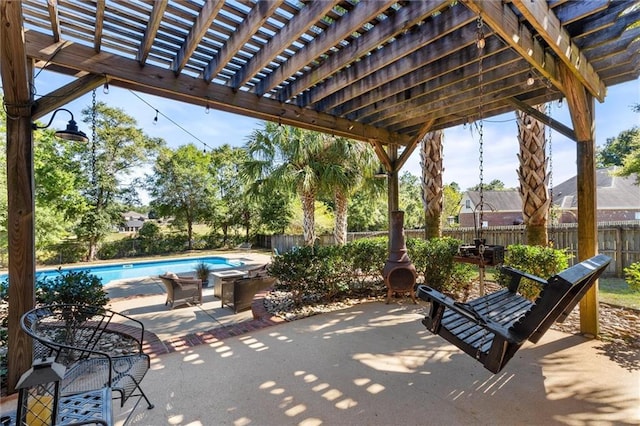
143,269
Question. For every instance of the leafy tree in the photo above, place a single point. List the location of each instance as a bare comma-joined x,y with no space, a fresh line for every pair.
58,197
118,148
494,185
622,151
289,158
368,210
411,201
451,205
233,206
275,212
344,167
182,186
618,148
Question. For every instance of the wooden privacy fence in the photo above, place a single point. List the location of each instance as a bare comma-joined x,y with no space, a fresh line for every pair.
618,240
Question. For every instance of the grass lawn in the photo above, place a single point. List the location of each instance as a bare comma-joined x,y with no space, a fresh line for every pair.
616,292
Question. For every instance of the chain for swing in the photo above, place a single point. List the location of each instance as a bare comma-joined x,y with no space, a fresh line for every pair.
481,247
480,45
94,108
551,241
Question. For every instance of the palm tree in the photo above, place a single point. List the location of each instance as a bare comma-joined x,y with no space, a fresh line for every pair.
533,177
287,157
432,189
345,165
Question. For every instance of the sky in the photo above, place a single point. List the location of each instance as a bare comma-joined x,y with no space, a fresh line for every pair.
179,123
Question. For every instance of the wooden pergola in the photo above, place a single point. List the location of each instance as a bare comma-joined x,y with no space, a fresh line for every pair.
385,72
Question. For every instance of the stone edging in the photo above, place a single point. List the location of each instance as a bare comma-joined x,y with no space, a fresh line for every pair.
153,346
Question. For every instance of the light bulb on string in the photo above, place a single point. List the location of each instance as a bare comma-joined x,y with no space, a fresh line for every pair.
530,79
207,109
105,88
155,119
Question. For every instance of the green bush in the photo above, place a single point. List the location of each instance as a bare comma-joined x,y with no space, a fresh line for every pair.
536,260
434,260
72,287
632,276
329,272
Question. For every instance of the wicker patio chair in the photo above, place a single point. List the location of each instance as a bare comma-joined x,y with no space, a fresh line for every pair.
185,289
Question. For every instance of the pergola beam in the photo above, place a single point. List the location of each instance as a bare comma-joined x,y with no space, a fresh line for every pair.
294,29
54,19
99,25
363,11
250,25
414,50
157,12
549,27
543,118
197,31
504,22
157,81
394,25
66,94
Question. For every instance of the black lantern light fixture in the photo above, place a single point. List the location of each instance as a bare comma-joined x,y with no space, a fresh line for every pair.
71,133
381,173
39,391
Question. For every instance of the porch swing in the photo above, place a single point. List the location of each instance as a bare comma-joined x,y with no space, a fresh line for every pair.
493,327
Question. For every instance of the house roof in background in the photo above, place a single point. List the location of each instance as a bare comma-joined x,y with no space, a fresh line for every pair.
614,192
508,200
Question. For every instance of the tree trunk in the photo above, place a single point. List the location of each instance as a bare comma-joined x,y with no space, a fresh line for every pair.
432,190
340,230
533,177
308,223
190,234
93,249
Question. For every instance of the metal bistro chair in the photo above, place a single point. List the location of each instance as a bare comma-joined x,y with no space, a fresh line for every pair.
76,334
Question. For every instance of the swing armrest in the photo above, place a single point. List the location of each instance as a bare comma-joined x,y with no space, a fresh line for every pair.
516,275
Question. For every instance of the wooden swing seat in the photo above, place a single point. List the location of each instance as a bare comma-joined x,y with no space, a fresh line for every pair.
492,328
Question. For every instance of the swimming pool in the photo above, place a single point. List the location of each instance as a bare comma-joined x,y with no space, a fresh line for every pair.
121,271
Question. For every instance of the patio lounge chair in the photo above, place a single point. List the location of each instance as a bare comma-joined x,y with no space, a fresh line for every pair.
185,289
238,295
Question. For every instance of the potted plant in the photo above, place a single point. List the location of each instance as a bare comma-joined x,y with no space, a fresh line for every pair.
202,272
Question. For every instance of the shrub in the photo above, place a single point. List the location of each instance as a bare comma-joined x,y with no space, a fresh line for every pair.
434,259
632,276
536,260
367,255
72,287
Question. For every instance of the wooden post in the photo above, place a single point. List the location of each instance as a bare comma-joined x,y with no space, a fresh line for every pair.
582,109
16,75
587,228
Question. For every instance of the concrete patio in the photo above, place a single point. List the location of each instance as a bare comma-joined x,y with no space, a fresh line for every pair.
371,364
375,364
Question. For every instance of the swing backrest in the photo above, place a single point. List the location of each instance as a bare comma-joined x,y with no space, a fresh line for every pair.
559,296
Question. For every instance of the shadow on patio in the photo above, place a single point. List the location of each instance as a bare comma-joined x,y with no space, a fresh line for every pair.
375,364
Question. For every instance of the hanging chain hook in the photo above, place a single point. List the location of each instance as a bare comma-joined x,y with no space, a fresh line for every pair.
94,107
480,45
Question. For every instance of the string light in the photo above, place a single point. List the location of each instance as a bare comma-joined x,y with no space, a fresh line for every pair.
155,119
560,103
158,113
206,107
480,42
105,88
530,79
